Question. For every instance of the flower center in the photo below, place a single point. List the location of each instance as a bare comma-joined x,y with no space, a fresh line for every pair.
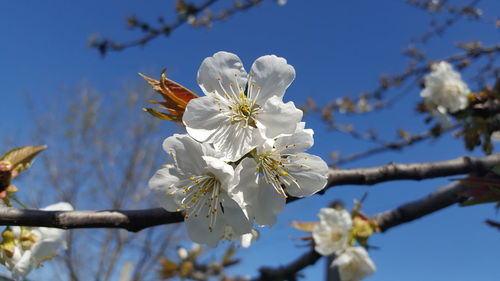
452,89
244,112
336,236
201,197
273,167
238,102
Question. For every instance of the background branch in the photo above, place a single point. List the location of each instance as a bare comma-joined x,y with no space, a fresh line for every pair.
289,272
396,145
437,200
185,13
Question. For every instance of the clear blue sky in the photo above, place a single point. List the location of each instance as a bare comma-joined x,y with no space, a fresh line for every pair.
338,48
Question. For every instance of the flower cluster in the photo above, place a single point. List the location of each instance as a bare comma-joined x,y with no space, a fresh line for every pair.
244,153
334,235
25,248
444,91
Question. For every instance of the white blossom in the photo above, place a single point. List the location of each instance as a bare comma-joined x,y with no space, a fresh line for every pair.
35,245
182,253
241,110
495,136
331,235
202,185
354,264
444,91
246,239
280,168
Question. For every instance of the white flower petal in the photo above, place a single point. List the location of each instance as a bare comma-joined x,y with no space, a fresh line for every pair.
273,75
262,201
23,266
248,182
46,249
202,230
277,117
222,171
202,117
354,264
61,206
167,197
234,215
329,239
310,173
186,153
299,141
10,262
270,204
340,218
248,238
222,68
235,141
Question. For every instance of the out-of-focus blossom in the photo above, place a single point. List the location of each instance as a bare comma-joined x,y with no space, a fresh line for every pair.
444,91
354,264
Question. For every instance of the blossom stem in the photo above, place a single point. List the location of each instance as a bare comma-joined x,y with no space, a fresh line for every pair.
20,203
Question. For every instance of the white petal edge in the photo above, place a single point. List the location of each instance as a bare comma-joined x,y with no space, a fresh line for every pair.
311,173
202,117
222,68
273,75
159,184
277,117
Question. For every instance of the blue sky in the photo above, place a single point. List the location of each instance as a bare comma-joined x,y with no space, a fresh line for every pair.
338,48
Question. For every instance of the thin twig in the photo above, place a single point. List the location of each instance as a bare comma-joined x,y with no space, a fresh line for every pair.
106,45
392,146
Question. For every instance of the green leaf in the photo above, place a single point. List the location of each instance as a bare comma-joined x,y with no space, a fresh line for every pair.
158,114
21,158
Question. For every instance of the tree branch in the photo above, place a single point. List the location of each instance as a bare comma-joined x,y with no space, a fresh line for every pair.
437,200
131,220
288,272
416,171
136,220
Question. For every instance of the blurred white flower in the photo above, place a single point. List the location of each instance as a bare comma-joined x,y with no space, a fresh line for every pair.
182,253
363,105
191,19
246,239
202,185
495,136
240,110
280,168
34,245
354,264
331,235
444,91
281,2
